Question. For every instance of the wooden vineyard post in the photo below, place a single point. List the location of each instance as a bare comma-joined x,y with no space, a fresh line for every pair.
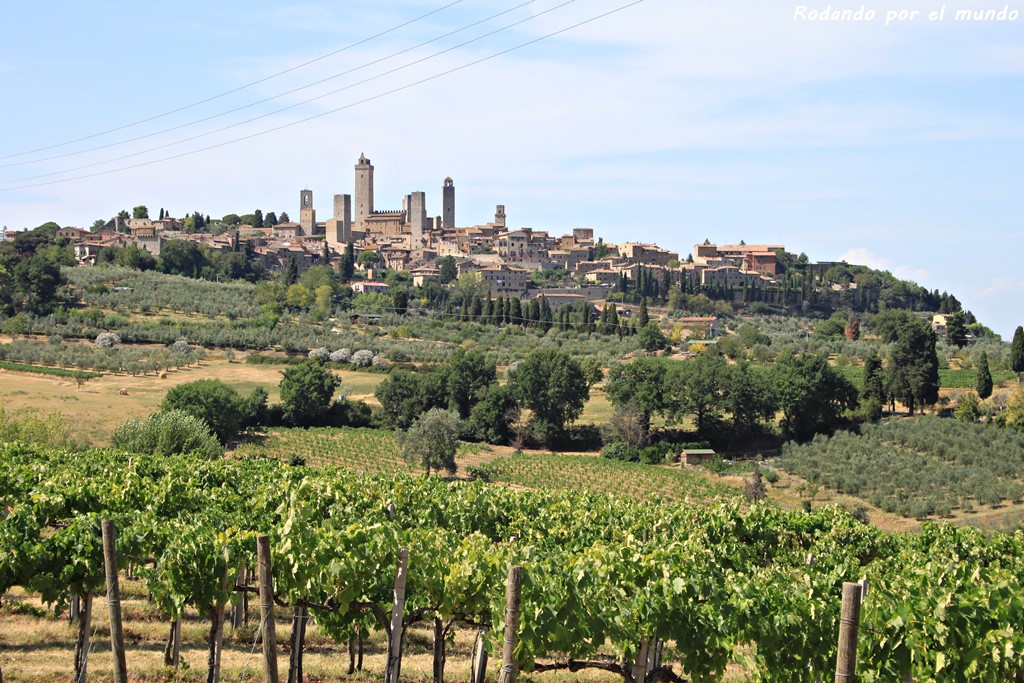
640,663
394,666
513,596
75,609
478,662
114,601
298,640
82,644
238,611
266,581
846,659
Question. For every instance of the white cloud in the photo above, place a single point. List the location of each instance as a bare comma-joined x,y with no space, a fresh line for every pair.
862,256
1009,285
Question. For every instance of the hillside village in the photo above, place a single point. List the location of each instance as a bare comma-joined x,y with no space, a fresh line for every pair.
407,239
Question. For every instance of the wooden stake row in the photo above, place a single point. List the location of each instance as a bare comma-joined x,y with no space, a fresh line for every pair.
647,658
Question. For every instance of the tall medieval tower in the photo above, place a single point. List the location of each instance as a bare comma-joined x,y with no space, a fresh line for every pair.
339,227
307,214
448,204
417,213
364,190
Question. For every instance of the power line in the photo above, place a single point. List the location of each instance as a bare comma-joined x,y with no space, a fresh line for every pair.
234,90
332,111
252,104
291,106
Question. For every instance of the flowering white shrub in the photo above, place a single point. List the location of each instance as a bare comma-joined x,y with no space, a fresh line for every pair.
321,353
341,355
107,340
181,346
362,358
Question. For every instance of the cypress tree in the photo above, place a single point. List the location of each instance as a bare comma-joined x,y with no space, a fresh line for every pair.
291,272
984,384
642,318
1017,352
517,312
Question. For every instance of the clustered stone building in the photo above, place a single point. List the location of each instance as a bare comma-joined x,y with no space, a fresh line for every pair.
408,239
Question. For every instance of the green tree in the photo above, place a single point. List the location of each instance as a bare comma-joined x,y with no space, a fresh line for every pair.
368,258
1017,352
749,399
466,375
140,211
448,269
872,390
551,384
182,257
231,219
984,381
651,338
131,256
307,391
348,263
405,395
956,331
639,384
432,441
291,271
913,371
494,415
257,219
697,388
812,396
642,316
213,402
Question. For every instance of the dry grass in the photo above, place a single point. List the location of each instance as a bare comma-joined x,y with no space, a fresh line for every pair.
97,408
41,649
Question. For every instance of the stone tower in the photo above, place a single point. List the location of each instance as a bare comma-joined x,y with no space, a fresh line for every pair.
499,215
448,204
364,190
417,218
339,227
307,214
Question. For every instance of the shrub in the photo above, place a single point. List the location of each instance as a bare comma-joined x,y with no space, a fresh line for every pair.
107,340
307,391
211,401
320,353
31,428
362,358
432,441
182,346
381,362
167,433
619,450
341,356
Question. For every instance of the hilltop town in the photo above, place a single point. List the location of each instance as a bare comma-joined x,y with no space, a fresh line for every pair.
410,240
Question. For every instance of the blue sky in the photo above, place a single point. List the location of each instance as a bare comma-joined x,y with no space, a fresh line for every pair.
897,146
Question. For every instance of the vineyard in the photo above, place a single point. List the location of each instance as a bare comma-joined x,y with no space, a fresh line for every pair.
361,450
917,468
52,372
603,576
602,476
